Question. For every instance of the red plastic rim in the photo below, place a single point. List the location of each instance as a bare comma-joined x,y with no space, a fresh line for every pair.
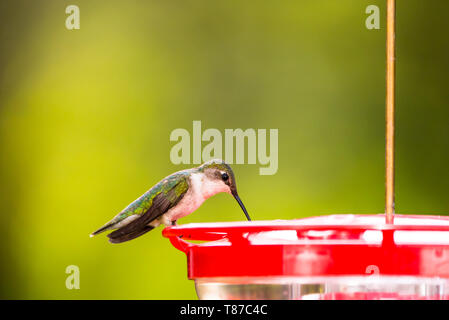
334,245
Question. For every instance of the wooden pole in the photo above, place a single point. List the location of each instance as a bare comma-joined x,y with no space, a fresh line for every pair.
390,101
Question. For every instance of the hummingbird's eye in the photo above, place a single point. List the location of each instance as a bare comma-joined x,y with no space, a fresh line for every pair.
225,176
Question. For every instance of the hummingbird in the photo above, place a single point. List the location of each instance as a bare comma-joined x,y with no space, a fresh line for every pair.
174,197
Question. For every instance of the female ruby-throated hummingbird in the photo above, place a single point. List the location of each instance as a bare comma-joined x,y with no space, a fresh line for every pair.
172,198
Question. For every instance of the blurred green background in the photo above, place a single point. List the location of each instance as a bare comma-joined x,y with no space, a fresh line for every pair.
85,119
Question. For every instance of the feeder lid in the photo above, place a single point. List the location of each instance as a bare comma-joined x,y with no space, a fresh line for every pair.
319,246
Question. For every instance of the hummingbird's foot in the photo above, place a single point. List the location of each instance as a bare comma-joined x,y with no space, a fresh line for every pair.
173,223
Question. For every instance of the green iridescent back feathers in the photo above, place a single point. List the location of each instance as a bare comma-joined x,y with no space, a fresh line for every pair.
176,181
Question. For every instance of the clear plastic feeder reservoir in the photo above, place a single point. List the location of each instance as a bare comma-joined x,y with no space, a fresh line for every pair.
327,257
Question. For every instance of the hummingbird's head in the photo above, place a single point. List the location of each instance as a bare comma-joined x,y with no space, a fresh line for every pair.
220,178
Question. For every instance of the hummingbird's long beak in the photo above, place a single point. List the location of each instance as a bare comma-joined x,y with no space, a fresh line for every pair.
236,196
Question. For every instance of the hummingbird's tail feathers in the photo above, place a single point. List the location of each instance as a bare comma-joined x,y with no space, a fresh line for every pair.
118,236
102,229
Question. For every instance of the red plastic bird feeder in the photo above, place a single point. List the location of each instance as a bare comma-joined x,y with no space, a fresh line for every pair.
327,257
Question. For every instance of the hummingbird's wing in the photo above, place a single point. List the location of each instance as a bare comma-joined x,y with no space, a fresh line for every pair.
142,205
172,191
